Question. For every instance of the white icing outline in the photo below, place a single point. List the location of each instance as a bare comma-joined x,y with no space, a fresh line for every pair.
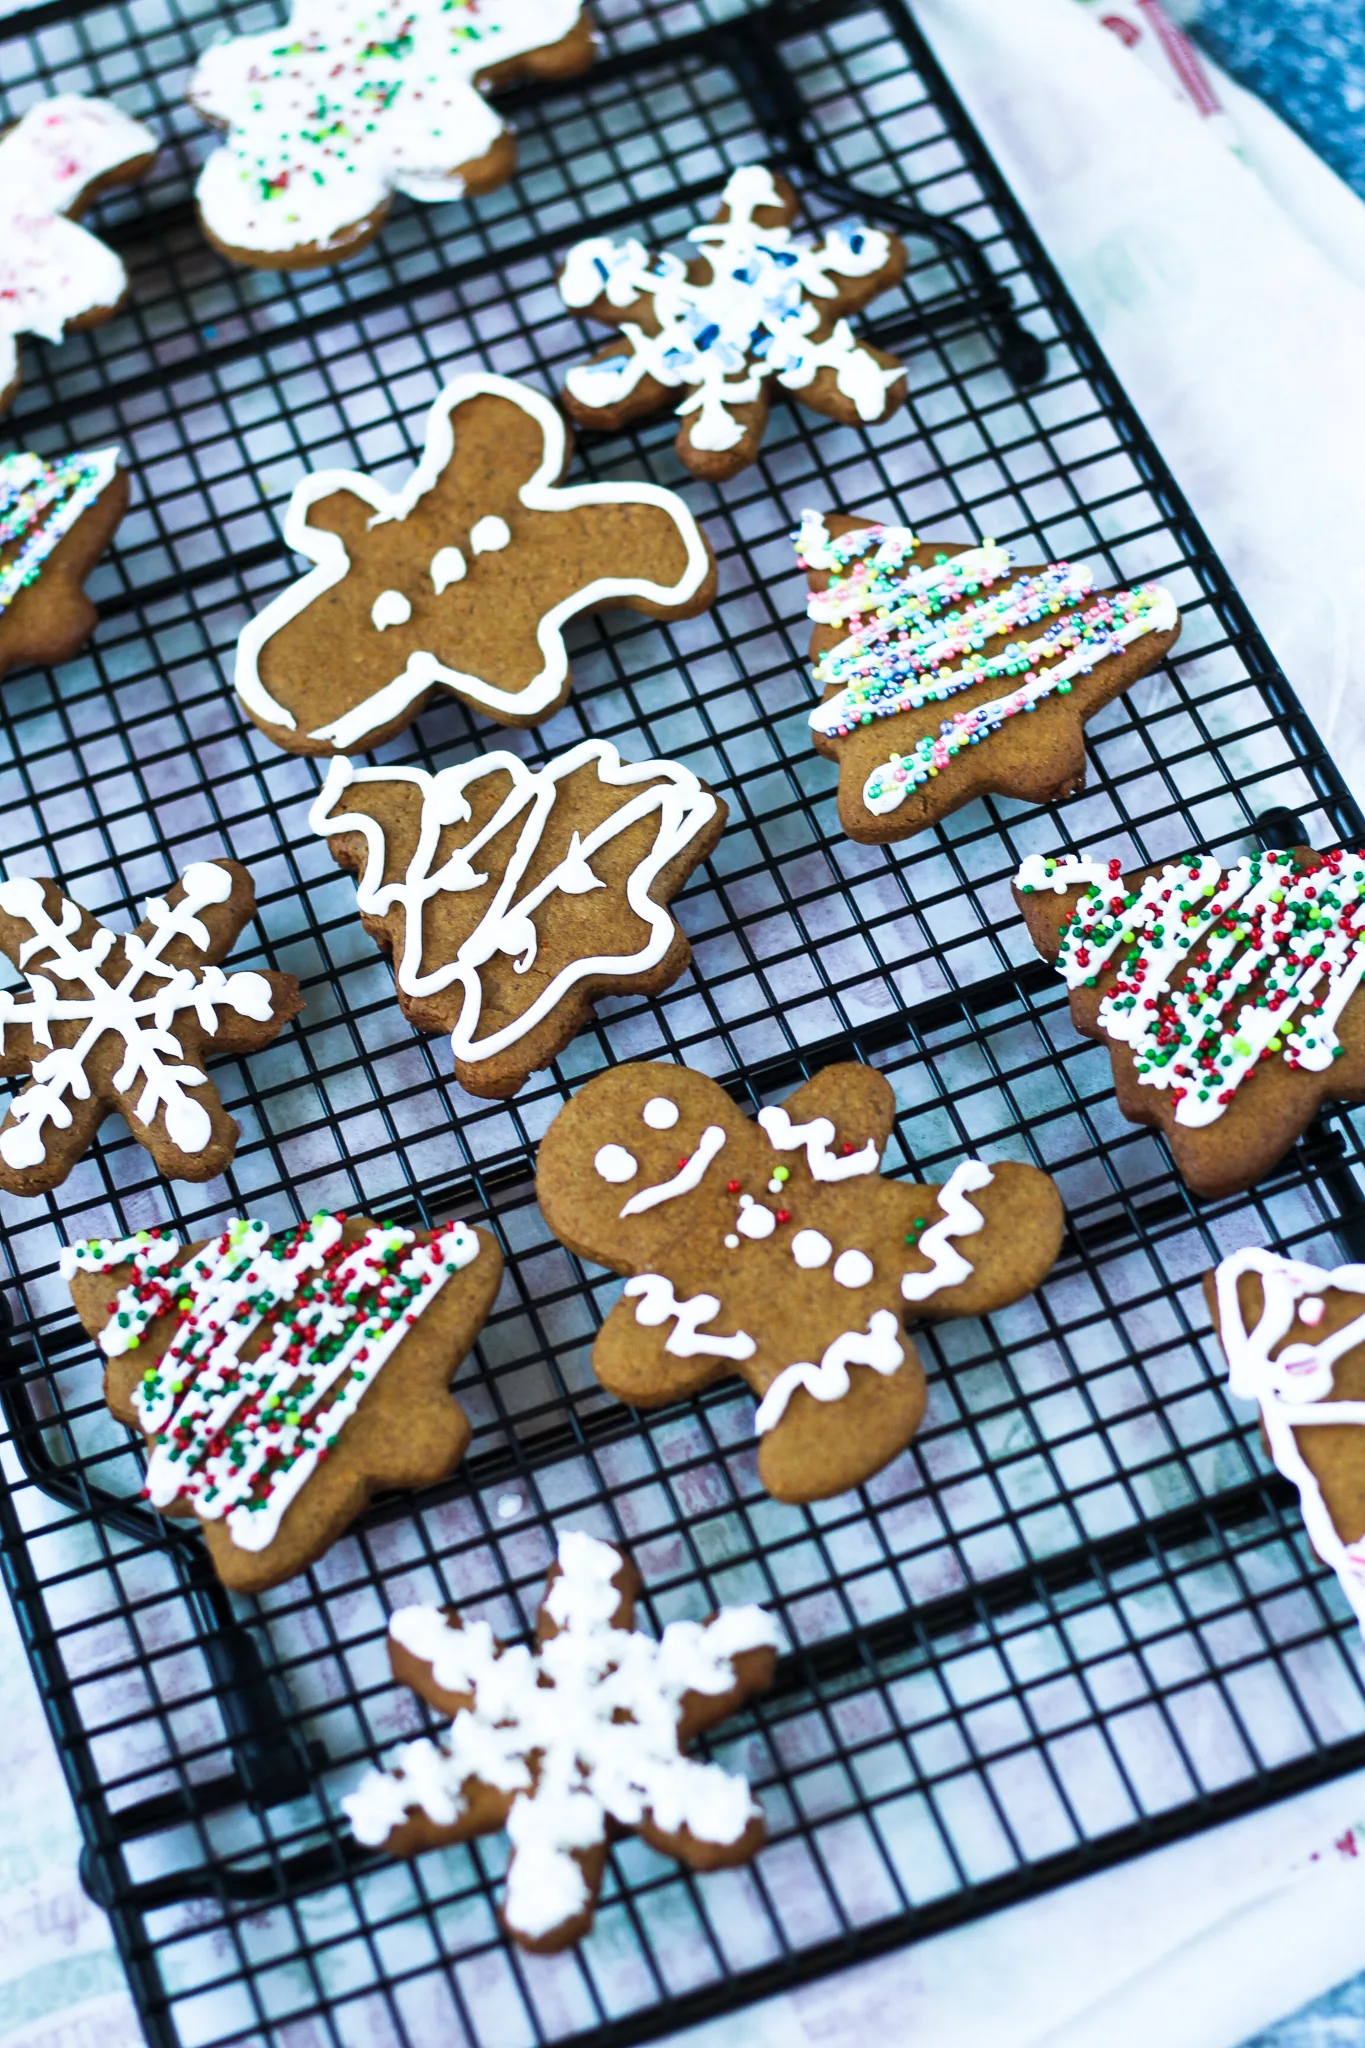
785,1136
684,809
879,1346
655,1302
957,1218
685,1179
541,493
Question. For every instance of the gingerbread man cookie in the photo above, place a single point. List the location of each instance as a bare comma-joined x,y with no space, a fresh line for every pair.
509,897
753,305
907,631
56,519
122,1022
280,1378
463,581
571,1742
1294,1335
53,275
777,1251
350,101
1227,1000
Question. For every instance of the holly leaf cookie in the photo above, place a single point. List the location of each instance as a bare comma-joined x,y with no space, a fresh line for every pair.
570,1742
948,672
54,276
777,1251
1227,999
754,306
114,1021
280,1378
462,581
1294,1336
509,897
350,101
56,519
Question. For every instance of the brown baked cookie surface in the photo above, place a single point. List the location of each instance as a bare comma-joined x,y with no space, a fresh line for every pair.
572,1742
1229,1001
1294,1336
776,1250
125,1022
510,898
351,101
56,520
756,313
462,581
949,672
281,1378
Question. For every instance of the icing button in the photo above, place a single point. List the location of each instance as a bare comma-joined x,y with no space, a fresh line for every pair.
853,1269
390,608
489,535
448,566
811,1248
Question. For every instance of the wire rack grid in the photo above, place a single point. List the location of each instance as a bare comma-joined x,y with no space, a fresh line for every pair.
1079,1616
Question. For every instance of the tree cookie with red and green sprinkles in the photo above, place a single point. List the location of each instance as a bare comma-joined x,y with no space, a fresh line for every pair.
950,673
1227,998
281,1378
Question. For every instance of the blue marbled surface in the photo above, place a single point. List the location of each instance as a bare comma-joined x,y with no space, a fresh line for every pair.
1307,58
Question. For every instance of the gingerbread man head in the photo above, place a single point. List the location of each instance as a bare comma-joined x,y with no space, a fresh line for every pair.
776,1250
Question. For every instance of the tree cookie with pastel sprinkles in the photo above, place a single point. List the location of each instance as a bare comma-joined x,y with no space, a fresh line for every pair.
949,673
776,1250
1229,999
56,520
280,1378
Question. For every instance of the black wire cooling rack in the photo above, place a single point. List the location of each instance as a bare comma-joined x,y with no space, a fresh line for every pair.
1079,1616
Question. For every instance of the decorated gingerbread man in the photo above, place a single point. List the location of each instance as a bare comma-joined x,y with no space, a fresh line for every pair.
754,307
463,581
53,275
776,1250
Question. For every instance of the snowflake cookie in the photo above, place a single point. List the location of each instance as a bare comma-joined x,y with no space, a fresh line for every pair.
753,305
123,1022
1227,999
930,656
53,275
280,1378
1294,1336
350,101
572,1742
56,519
463,581
776,1250
510,897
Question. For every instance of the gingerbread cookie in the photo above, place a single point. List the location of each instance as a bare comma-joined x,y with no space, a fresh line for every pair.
350,101
753,305
1295,1342
572,1742
905,629
777,1251
56,519
123,1022
509,897
463,581
53,275
282,1378
1227,1000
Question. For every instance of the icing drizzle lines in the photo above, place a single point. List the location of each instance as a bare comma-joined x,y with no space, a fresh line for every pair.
1213,972
239,1438
40,502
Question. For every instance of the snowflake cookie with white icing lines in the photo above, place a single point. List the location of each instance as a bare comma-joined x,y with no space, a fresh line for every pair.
756,309
777,1250
1228,999
1294,1335
281,1377
570,1742
350,101
56,519
54,275
510,897
948,671
462,581
125,1021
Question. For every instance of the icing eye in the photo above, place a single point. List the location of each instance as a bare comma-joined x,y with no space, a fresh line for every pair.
659,1113
1312,1310
853,1269
390,608
615,1164
810,1248
489,534
448,566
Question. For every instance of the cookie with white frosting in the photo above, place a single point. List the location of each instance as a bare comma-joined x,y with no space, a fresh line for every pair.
56,519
